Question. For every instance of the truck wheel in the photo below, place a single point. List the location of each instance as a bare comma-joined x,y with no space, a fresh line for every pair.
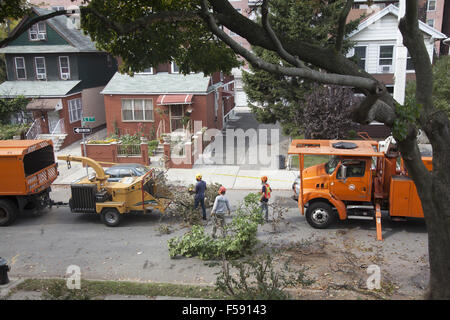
320,215
111,217
8,212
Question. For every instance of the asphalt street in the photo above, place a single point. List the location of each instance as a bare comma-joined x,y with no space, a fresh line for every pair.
45,246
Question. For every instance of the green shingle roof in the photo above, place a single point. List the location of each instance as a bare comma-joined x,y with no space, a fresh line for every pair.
39,49
31,89
160,83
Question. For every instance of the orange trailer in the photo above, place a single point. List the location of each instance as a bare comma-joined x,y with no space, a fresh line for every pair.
361,179
27,169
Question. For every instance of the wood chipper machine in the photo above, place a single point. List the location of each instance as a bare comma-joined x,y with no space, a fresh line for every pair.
361,178
95,194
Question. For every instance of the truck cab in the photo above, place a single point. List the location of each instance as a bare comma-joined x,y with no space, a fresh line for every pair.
343,186
362,178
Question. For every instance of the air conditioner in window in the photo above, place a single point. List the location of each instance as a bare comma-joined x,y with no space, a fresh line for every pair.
65,76
385,69
42,36
40,76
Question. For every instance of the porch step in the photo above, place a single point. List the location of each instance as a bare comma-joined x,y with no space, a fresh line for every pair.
58,139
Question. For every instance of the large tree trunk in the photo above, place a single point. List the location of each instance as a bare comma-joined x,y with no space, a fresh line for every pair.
437,215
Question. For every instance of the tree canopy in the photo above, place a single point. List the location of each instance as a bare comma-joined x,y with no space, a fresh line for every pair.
276,97
191,32
441,86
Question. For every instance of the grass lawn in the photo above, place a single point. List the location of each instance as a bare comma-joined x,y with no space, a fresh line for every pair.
57,289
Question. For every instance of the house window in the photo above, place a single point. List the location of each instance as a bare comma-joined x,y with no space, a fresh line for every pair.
216,103
75,110
64,67
137,110
147,71
40,68
430,22
175,68
360,54
386,55
431,5
21,73
38,31
409,63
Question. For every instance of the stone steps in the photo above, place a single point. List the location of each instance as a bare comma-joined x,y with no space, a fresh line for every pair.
58,139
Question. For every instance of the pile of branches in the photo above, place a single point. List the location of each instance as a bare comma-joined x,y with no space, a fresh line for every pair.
181,199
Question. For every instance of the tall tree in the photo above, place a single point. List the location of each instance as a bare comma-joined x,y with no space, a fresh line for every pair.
441,86
149,32
326,113
276,97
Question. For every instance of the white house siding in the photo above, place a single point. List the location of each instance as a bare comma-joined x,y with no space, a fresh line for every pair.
94,106
380,33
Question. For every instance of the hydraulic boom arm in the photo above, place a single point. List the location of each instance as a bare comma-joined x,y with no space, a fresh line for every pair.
101,176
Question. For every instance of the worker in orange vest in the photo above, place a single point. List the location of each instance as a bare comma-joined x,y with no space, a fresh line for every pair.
265,196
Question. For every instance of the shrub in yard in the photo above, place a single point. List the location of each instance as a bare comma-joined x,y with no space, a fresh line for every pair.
8,131
257,279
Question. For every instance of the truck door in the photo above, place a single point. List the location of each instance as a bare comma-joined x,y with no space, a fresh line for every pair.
352,183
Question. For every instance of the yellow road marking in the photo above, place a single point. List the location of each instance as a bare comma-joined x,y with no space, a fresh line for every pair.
14,259
248,177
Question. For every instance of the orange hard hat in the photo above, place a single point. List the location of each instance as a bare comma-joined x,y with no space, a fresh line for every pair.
222,189
264,178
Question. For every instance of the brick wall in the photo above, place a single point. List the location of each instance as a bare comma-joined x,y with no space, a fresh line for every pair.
202,105
108,154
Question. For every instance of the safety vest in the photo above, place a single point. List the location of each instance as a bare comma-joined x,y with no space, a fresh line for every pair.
267,193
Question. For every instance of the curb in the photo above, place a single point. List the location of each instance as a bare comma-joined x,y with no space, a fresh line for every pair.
6,289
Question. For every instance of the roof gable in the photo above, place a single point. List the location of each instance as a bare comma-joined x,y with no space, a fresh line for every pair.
59,33
393,10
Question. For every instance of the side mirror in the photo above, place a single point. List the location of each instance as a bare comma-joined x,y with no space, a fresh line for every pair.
343,172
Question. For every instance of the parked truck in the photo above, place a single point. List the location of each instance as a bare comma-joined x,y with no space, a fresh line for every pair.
361,178
27,169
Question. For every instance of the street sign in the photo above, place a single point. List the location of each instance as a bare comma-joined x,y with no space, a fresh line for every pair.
83,130
89,119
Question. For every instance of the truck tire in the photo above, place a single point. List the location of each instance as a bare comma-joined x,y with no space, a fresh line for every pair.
320,215
111,217
8,212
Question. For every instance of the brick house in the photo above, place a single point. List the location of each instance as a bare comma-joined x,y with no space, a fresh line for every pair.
60,70
163,100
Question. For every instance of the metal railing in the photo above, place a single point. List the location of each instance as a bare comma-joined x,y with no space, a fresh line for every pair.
126,150
59,128
161,129
34,130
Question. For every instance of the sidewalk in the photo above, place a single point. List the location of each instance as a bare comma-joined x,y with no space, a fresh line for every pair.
66,176
230,176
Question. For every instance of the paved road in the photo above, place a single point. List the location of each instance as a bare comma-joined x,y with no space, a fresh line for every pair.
45,246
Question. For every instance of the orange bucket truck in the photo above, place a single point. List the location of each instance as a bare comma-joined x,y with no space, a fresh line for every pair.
361,178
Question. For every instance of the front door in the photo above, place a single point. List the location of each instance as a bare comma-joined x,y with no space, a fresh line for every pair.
176,114
356,186
53,118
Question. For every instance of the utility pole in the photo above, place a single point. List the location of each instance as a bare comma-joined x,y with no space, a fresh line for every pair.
401,56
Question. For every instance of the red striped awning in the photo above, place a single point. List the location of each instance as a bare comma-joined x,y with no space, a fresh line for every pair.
167,99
